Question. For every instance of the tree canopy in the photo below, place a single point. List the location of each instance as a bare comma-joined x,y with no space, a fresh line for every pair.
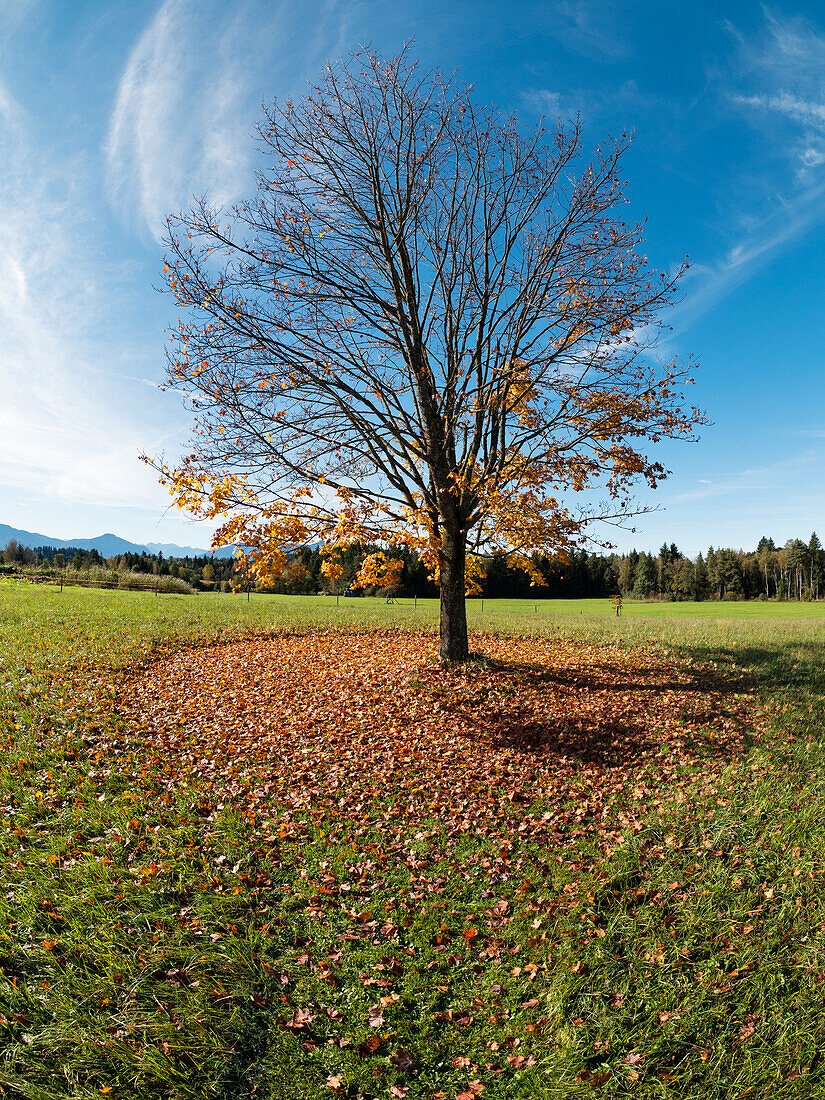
429,329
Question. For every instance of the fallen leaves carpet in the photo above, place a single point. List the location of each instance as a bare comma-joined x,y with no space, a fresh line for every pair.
422,844
365,726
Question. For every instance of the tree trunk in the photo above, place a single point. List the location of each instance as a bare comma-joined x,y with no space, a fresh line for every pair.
453,625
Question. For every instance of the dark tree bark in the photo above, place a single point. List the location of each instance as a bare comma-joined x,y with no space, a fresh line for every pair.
453,644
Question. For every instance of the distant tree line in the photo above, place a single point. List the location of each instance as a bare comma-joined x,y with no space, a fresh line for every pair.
795,571
202,572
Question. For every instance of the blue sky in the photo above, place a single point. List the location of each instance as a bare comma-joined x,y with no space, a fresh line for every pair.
113,115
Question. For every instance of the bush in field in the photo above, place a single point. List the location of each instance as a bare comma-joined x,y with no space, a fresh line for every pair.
101,577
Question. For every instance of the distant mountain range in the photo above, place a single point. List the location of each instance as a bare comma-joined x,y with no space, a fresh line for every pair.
108,545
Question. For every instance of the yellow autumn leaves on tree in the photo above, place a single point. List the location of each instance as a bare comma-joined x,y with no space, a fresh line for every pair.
474,574
332,569
379,571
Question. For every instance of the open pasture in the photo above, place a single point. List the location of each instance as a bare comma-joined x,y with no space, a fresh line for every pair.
251,850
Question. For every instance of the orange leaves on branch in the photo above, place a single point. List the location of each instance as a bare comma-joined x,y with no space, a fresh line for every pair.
474,575
332,569
528,566
379,571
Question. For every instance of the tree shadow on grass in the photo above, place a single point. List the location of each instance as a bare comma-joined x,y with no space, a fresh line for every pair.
610,718
601,676
612,744
799,663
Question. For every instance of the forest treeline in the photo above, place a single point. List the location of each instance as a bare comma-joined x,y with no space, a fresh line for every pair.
795,571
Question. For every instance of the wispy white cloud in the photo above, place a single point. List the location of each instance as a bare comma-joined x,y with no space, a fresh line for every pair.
68,429
78,358
11,113
804,433
783,73
591,27
190,95
746,483
15,12
706,285
76,410
625,98
785,103
544,102
176,127
777,77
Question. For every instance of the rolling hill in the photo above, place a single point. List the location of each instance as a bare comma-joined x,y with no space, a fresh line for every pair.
107,545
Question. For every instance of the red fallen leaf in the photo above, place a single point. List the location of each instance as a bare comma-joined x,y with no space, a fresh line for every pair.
632,1059
245,694
403,1061
399,1091
369,1046
300,1018
334,1083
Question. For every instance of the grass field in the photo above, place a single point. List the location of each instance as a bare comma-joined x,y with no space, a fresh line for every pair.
162,937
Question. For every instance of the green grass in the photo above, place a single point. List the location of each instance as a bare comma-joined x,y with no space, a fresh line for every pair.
151,943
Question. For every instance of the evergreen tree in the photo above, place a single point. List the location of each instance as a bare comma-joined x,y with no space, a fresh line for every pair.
816,561
644,577
699,589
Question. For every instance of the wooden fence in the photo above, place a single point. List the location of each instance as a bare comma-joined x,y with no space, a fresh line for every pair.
65,577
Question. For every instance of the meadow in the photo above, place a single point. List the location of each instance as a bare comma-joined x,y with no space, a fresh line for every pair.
269,848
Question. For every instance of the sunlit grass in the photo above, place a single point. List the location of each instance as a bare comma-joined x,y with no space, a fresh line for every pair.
147,940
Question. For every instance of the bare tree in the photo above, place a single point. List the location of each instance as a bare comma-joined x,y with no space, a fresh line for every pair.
426,330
